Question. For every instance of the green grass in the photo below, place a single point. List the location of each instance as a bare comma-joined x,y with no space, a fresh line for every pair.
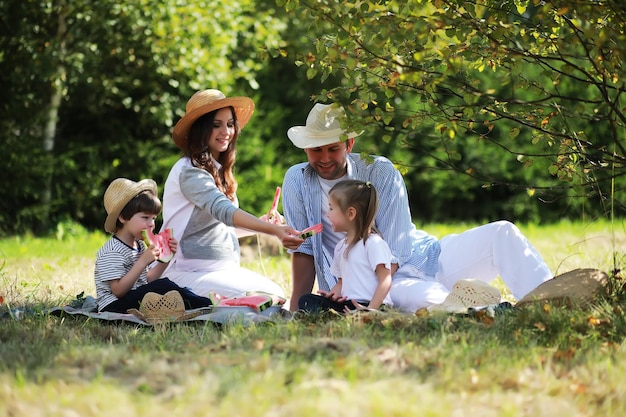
540,361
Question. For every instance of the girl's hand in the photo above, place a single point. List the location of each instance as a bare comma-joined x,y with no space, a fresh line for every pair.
358,307
332,296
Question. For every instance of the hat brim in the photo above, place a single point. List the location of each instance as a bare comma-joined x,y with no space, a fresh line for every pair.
141,186
304,138
244,108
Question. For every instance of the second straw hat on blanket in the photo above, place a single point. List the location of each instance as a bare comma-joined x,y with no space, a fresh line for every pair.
468,293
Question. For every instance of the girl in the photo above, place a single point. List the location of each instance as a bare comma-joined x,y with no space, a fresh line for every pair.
362,261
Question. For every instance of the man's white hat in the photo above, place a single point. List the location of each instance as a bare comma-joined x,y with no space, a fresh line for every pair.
323,127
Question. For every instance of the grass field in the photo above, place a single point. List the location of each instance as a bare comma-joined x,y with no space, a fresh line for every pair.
540,361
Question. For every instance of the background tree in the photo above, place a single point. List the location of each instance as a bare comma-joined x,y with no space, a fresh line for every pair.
523,100
541,81
91,91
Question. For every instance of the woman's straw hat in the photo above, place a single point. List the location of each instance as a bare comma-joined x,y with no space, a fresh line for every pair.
205,101
119,193
323,127
156,308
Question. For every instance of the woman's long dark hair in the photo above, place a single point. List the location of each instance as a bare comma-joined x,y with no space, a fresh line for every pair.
197,149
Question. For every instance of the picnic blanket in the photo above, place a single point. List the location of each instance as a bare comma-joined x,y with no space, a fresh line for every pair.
579,287
86,307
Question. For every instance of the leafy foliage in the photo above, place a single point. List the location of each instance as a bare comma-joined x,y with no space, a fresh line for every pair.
124,71
542,81
509,109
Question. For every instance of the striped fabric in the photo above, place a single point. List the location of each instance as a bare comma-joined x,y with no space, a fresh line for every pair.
113,261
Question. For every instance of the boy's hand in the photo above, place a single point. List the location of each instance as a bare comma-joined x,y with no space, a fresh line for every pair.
150,255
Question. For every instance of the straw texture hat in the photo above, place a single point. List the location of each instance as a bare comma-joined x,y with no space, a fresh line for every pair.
205,101
579,287
119,193
156,308
468,293
323,127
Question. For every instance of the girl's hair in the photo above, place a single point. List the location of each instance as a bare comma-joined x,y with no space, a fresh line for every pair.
363,197
144,202
197,149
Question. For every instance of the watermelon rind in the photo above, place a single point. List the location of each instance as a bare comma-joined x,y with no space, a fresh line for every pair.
215,298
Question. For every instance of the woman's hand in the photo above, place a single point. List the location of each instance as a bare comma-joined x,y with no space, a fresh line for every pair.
288,236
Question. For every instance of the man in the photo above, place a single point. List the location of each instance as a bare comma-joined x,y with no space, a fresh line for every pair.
426,268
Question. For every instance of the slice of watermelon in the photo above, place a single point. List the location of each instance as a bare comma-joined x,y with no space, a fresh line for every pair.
310,231
277,300
273,213
258,302
161,241
216,298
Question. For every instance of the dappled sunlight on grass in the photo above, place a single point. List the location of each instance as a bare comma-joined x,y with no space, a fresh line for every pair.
541,360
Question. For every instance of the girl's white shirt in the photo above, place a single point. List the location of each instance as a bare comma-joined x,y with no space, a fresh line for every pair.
358,270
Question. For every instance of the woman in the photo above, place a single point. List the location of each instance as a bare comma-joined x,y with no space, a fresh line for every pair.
200,202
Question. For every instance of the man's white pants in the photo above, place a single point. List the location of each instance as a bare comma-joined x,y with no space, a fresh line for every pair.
484,253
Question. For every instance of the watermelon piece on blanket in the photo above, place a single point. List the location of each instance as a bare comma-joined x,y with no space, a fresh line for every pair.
277,300
258,302
216,298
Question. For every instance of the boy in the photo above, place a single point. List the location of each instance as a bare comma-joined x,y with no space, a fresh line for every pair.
123,275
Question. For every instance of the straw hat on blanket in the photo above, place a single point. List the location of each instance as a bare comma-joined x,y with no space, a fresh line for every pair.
467,293
579,287
156,308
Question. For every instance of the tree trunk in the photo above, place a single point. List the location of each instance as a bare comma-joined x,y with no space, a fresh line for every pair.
49,134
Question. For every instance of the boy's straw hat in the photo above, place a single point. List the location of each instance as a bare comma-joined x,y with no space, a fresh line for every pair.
119,193
323,127
205,101
156,308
